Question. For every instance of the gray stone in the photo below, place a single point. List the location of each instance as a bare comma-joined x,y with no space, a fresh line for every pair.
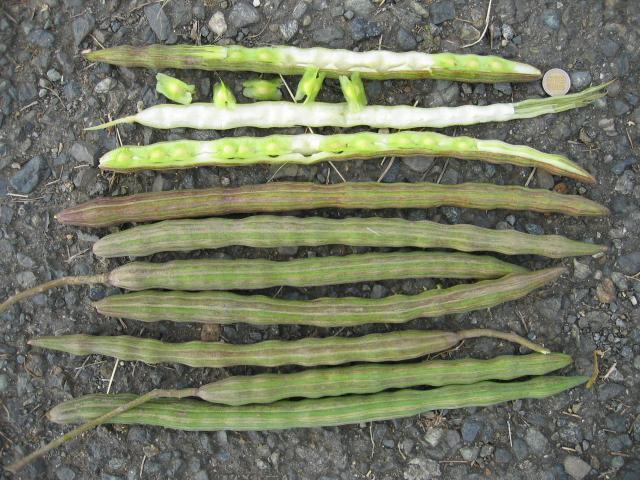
406,41
596,319
30,175
433,436
418,163
84,153
289,28
609,47
621,166
361,29
537,442
442,11
503,87
327,35
287,251
360,7
105,85
507,32
551,18
629,264
470,430
27,92
26,279
378,291
65,473
4,382
41,38
616,422
575,467
520,449
243,14
581,271
534,229
300,9
82,26
544,179
610,390
53,75
580,79
503,455
217,24
469,454
422,469
158,21
3,187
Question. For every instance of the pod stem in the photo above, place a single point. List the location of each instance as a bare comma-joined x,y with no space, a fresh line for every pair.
159,393
534,107
58,282
509,337
113,123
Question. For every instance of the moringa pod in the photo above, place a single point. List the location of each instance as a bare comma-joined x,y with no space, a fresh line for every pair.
285,60
286,196
309,149
376,347
267,231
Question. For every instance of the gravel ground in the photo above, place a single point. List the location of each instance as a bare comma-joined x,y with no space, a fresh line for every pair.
48,93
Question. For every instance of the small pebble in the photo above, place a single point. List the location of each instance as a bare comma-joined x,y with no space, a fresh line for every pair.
217,24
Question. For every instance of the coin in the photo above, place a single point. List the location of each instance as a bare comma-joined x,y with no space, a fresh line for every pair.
556,82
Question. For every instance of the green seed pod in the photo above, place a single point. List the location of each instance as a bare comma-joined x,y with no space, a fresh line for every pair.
332,411
223,96
371,378
353,91
227,307
377,64
309,85
286,196
267,231
308,149
402,117
174,89
377,347
261,89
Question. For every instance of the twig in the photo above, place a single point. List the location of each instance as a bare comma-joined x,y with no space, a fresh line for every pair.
276,172
610,371
386,169
509,428
28,106
533,171
596,371
444,169
113,374
486,27
144,459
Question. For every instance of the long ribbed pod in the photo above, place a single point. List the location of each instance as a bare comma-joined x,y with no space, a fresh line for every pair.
371,378
208,116
377,347
266,231
379,64
198,415
286,196
226,307
245,274
309,149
